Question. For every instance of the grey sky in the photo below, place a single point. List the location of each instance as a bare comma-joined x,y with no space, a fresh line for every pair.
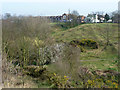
54,7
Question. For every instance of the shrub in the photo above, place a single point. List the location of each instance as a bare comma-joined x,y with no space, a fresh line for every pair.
100,83
75,44
89,43
85,43
58,81
35,71
25,38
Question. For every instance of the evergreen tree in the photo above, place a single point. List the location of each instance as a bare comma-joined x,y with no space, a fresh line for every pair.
107,17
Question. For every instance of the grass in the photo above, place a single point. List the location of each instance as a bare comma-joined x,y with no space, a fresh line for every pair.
93,59
101,65
92,31
98,33
30,48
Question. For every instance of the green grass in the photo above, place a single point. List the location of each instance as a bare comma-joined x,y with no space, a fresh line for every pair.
97,32
91,31
26,47
93,59
101,65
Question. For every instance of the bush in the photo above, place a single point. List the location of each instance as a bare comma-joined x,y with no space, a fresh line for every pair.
58,81
25,38
89,43
35,71
85,43
75,44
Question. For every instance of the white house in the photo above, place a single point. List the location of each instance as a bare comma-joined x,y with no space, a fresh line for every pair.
95,18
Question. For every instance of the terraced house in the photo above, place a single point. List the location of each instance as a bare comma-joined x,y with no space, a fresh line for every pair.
66,18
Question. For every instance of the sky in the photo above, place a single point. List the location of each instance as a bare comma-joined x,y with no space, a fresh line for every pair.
56,7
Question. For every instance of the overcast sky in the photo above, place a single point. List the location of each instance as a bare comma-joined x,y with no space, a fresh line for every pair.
56,7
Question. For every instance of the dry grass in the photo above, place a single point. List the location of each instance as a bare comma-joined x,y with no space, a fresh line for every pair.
13,77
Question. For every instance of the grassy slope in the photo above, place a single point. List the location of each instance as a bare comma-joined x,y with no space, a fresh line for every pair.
97,32
91,31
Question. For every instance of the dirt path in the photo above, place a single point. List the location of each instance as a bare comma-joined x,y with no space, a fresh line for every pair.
96,60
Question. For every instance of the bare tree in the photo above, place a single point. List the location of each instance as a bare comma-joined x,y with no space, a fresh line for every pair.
98,12
7,15
114,16
74,12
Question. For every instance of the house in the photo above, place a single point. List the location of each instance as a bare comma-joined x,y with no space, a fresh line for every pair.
101,18
95,18
54,18
66,18
88,20
81,19
70,17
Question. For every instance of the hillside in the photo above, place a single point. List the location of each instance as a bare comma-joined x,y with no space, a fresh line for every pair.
97,32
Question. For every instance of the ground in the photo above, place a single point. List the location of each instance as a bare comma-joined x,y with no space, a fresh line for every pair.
101,59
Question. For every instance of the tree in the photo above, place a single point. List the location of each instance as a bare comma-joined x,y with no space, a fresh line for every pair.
7,15
73,15
115,16
107,17
74,12
74,20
